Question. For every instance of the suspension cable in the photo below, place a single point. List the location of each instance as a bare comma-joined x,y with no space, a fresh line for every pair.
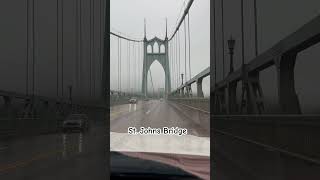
182,18
126,38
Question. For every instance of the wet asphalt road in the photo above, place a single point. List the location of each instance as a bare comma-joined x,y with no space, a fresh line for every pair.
55,156
83,155
156,114
188,152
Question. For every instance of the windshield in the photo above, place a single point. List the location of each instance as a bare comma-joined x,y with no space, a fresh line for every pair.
173,126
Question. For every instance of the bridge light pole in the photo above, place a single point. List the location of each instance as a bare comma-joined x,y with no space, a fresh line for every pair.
231,44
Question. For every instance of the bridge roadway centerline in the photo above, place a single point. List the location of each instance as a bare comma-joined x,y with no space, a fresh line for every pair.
154,114
54,156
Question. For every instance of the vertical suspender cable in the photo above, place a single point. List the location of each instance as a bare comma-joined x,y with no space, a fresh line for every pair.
179,59
214,42
222,30
133,66
62,48
242,32
27,43
90,48
172,64
138,67
57,50
129,66
175,62
33,45
190,76
128,79
101,36
256,27
93,47
120,64
80,39
185,50
170,60
173,59
118,56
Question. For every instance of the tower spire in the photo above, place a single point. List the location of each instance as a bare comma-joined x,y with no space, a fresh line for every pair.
166,29
145,29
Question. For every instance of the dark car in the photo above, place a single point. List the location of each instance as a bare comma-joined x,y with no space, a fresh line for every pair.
133,100
76,122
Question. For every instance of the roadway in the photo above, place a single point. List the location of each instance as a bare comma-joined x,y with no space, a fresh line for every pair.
190,151
157,114
55,156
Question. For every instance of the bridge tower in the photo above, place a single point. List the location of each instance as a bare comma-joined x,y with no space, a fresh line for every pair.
155,49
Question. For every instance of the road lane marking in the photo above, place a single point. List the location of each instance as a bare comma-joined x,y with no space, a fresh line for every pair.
113,114
148,112
129,107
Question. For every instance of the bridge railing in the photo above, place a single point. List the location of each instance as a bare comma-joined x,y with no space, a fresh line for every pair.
202,104
283,56
183,94
246,133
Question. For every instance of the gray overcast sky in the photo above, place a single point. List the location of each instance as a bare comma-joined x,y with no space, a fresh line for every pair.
276,20
127,17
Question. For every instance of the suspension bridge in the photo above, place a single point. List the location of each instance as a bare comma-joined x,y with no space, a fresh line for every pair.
181,105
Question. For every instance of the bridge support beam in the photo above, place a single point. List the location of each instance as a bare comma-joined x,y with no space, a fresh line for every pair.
232,98
288,99
252,96
219,101
189,90
199,88
182,92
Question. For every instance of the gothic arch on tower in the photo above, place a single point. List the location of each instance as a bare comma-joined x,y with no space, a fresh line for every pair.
160,54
